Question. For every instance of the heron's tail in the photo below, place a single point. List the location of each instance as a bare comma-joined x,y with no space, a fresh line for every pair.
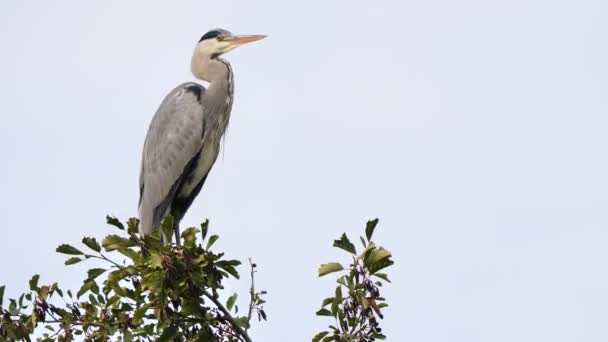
146,220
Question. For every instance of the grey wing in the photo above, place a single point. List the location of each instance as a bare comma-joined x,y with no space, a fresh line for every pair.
173,139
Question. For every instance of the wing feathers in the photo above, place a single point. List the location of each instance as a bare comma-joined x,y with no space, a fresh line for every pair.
173,140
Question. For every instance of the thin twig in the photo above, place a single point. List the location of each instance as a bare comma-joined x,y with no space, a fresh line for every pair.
103,257
96,324
252,295
229,317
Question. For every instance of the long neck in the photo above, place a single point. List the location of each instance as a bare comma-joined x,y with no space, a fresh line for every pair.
209,69
218,73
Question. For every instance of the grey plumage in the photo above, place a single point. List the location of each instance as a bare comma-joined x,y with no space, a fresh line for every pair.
184,137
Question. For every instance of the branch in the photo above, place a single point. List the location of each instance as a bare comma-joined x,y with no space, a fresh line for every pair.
103,257
77,322
252,295
227,315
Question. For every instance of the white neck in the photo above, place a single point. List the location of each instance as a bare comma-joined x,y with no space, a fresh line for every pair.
218,73
206,68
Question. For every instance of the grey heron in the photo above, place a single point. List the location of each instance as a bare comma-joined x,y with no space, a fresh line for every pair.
183,140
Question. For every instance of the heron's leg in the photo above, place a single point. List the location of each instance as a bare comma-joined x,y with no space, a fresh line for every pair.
176,229
163,239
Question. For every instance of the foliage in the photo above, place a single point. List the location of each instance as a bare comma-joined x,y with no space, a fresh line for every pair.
154,291
356,304
158,292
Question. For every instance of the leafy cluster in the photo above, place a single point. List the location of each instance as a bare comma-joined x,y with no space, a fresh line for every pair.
152,291
356,304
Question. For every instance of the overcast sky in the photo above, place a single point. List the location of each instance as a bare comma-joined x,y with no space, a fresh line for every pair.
475,130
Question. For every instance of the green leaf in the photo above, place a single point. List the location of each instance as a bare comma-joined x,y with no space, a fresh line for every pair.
228,266
327,301
113,221
189,236
369,228
114,299
191,306
113,242
167,228
345,244
127,335
34,319
204,228
329,268
67,249
382,264
93,300
2,288
95,272
337,301
362,241
131,254
12,308
231,300
167,334
149,329
211,241
222,263
319,336
72,261
155,260
55,288
340,315
230,269
153,280
88,285
324,312
338,297
382,276
363,301
139,313
344,281
378,336
243,322
376,255
91,243
34,282
133,225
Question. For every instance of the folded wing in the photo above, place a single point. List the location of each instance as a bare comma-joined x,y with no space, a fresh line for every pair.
173,140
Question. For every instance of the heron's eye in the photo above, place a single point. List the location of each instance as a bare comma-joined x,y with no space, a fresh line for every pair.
221,37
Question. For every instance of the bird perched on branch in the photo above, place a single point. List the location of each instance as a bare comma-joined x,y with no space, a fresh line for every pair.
183,140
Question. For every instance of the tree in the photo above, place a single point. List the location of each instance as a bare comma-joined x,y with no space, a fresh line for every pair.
155,291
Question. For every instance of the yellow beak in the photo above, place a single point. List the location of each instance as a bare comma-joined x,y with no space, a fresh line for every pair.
240,40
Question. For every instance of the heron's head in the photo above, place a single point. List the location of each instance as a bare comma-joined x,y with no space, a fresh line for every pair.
217,42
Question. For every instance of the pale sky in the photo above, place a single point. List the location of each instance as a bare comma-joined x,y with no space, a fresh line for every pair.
475,131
